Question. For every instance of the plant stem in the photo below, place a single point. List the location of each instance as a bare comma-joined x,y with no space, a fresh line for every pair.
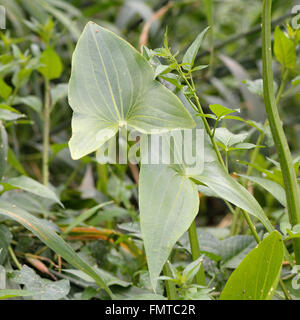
15,259
13,128
194,242
235,228
285,158
285,291
46,133
208,4
170,286
218,153
206,125
285,74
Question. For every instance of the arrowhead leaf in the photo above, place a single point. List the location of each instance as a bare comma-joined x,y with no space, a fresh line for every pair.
169,203
112,85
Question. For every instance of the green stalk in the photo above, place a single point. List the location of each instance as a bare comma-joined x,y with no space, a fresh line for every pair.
208,4
217,151
46,133
285,158
208,130
170,286
194,242
14,258
236,224
12,129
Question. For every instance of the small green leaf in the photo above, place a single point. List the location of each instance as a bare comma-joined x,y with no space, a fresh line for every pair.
51,64
244,146
191,270
284,49
229,139
221,111
5,89
190,55
57,147
198,68
9,108
21,77
296,81
257,276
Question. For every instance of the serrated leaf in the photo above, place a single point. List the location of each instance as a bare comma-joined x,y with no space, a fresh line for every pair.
257,276
112,86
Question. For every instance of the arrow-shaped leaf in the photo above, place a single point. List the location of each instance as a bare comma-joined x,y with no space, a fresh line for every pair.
112,85
169,203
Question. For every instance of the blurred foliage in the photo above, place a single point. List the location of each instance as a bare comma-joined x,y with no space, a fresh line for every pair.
37,44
